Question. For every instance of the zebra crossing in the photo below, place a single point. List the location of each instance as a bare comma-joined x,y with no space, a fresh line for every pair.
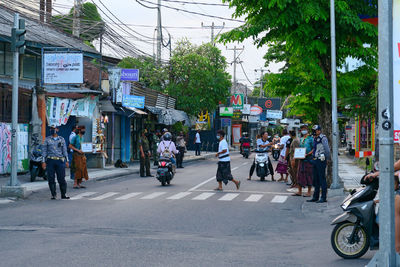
187,195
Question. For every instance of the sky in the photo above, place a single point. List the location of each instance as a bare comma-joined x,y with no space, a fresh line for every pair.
144,21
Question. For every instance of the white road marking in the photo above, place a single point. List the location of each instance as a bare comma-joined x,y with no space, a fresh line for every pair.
228,197
153,195
128,196
203,196
279,199
5,201
180,195
245,191
82,195
104,196
254,198
201,184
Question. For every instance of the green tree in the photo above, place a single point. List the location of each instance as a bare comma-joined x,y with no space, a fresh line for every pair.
297,33
198,77
150,74
91,23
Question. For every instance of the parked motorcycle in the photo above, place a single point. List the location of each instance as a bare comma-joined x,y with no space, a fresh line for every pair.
246,150
262,163
356,229
35,163
276,151
165,171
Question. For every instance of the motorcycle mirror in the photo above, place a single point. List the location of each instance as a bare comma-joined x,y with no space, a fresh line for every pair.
367,162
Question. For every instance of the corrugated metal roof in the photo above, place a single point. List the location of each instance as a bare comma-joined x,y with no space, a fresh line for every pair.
39,33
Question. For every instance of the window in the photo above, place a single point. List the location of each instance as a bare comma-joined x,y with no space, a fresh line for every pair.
8,60
2,58
29,66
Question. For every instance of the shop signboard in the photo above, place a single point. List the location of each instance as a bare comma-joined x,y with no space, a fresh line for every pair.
237,114
226,111
236,133
62,68
133,101
237,101
254,119
246,109
396,69
225,122
130,75
269,103
255,110
274,114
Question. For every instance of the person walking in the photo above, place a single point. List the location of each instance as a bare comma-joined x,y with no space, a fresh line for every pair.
224,163
321,154
181,146
55,159
197,143
282,167
71,152
292,162
261,144
305,169
145,155
79,159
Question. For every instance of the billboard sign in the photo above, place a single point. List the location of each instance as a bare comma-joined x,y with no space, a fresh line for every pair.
274,114
237,101
62,68
269,103
130,75
225,122
226,111
256,110
246,109
396,69
133,101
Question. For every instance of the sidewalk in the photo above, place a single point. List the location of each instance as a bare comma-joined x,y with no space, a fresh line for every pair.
349,172
109,172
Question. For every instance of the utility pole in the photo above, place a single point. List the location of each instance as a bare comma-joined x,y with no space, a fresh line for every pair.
335,159
261,80
386,256
159,34
13,187
235,61
77,18
212,27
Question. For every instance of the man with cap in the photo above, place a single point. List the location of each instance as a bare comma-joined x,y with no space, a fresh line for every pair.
55,159
321,154
145,154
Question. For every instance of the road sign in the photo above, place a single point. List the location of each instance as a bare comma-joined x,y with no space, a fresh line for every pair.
237,101
226,111
256,110
274,114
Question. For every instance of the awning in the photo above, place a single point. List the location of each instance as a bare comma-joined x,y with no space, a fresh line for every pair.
136,110
169,116
107,106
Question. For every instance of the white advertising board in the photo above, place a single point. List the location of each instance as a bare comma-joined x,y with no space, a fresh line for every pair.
62,68
246,109
274,114
396,69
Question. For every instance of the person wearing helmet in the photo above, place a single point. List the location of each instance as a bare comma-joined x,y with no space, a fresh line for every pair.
164,131
321,154
167,148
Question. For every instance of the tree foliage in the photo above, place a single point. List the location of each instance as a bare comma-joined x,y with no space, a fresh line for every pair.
198,77
91,23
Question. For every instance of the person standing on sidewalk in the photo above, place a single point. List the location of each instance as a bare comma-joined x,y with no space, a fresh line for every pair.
321,154
156,142
197,143
305,170
181,146
282,167
224,164
292,162
145,155
74,132
79,159
55,159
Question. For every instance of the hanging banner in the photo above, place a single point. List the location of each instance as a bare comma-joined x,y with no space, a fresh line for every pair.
62,68
396,69
59,110
114,77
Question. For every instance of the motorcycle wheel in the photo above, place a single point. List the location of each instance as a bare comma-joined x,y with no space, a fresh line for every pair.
262,178
163,183
247,156
34,174
340,241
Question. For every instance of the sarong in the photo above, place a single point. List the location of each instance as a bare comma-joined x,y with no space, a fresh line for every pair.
282,166
79,164
224,172
305,173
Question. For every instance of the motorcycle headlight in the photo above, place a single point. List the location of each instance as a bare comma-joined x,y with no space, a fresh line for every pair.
346,204
261,164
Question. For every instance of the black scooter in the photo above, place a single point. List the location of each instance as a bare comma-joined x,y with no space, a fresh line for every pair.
165,171
35,163
276,151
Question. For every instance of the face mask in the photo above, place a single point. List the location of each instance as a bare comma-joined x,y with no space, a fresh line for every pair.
53,131
304,132
218,137
83,132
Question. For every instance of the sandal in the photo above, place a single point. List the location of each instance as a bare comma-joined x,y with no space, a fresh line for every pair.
76,187
82,186
249,179
238,185
296,195
306,195
218,189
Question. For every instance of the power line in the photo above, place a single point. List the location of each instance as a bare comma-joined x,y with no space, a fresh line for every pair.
245,74
195,3
191,12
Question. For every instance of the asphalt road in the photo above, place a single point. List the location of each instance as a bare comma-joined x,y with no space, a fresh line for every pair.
133,221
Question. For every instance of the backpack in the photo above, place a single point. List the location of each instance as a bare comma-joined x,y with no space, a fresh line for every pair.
167,153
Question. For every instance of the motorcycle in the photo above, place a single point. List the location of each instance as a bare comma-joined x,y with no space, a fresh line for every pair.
276,151
262,163
35,163
246,150
165,171
356,230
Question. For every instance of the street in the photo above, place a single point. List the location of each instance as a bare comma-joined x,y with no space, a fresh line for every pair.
133,221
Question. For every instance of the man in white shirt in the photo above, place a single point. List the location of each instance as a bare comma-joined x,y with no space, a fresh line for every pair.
197,143
224,164
282,167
